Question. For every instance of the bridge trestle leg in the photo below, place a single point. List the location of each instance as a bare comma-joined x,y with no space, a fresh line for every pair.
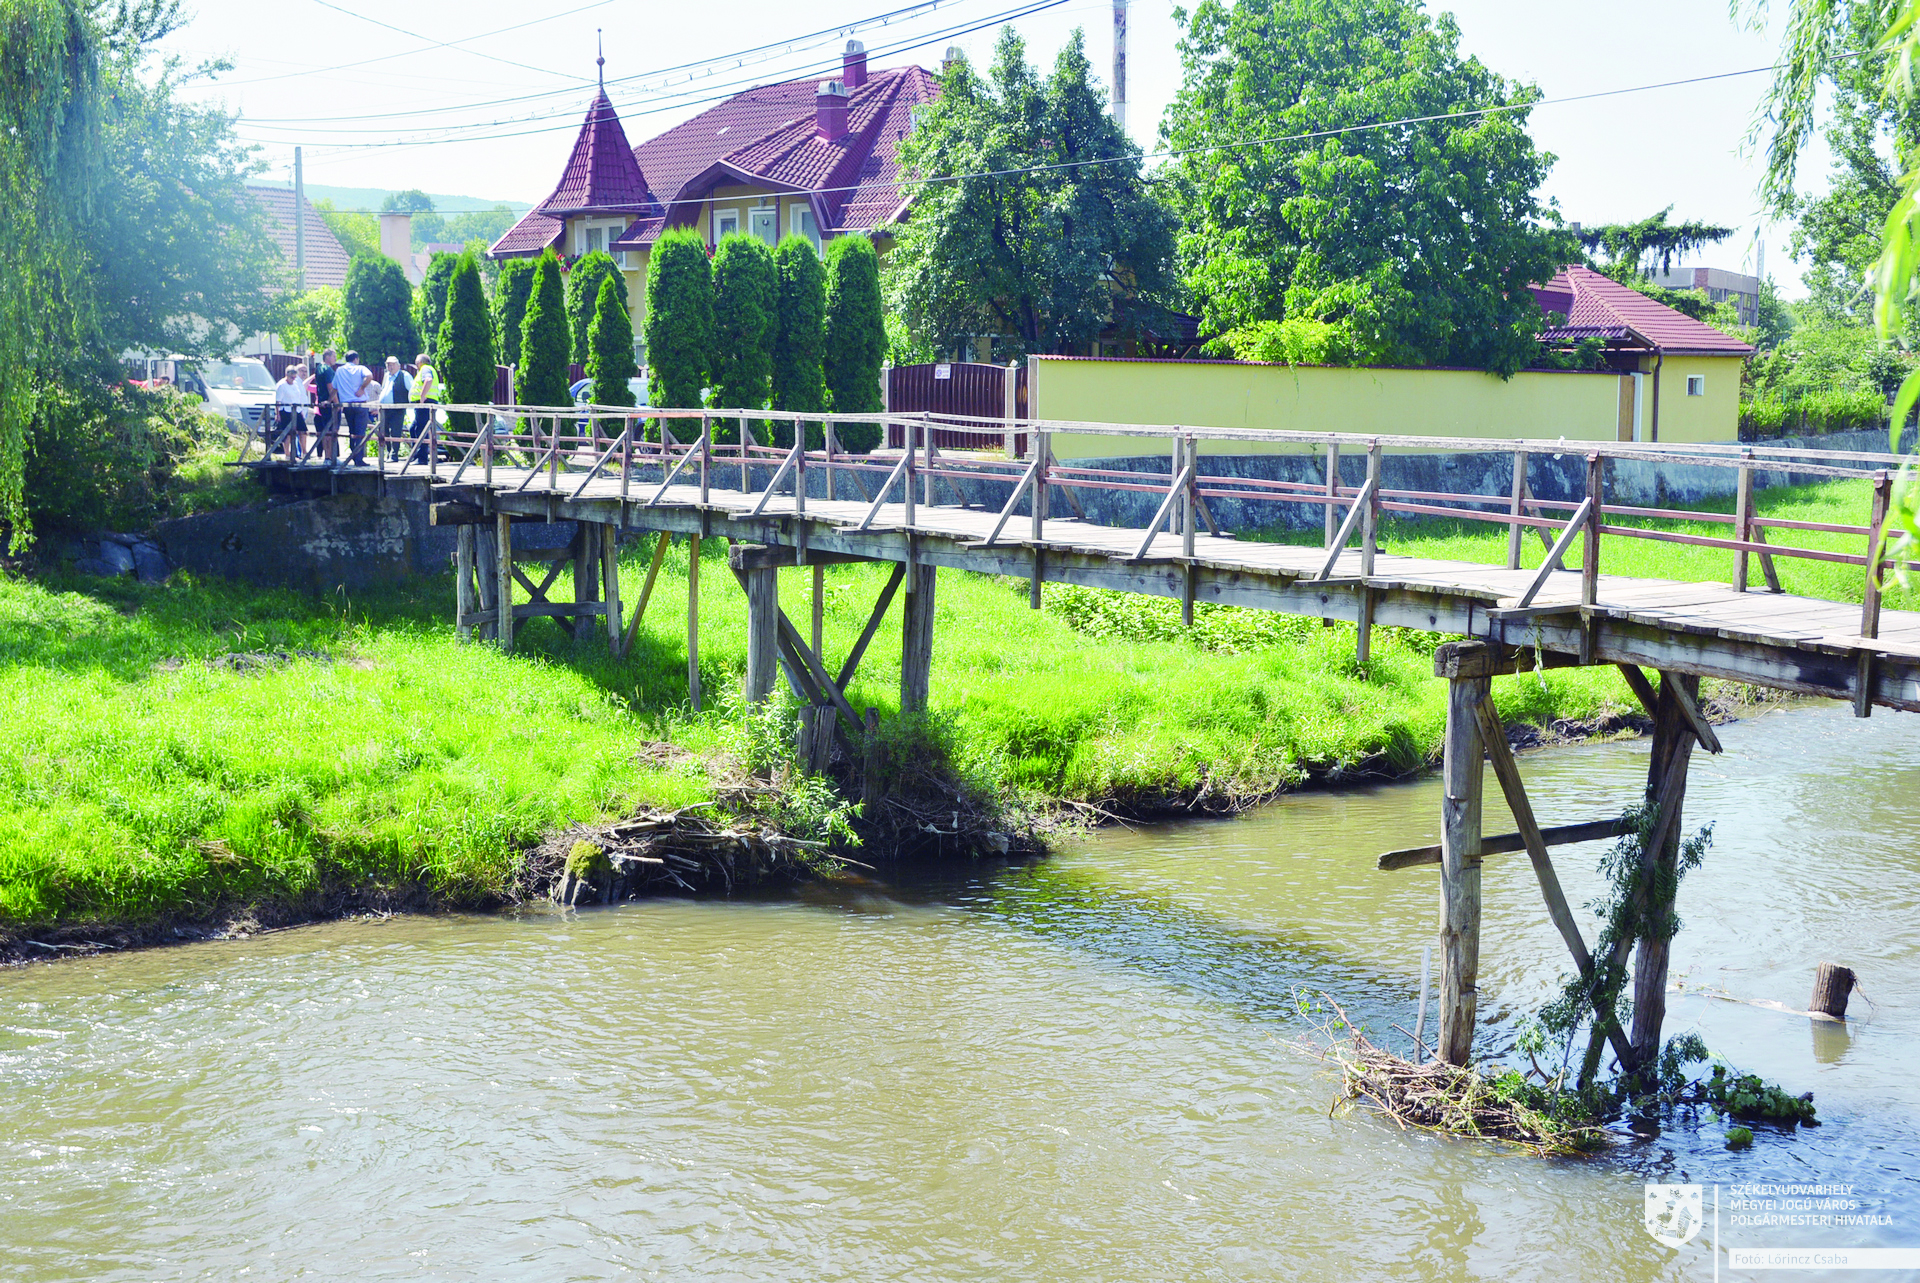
610,582
762,584
916,638
463,582
1468,668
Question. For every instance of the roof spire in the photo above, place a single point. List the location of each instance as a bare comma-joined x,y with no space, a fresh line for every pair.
600,62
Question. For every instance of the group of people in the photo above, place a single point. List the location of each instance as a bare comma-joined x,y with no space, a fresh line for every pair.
344,395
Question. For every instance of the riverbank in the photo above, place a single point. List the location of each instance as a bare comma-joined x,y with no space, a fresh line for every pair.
186,755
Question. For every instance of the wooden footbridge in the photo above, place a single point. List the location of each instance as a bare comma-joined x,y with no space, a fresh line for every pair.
921,510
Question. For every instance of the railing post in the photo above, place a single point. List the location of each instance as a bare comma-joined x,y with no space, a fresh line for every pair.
1043,443
487,457
1369,542
926,478
1876,527
1331,508
1518,509
1189,523
1590,552
913,448
626,461
746,476
1743,519
799,469
433,448
553,457
380,438
706,455
826,440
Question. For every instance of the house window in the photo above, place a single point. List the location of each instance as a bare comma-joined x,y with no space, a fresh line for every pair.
764,223
594,239
1696,385
804,225
725,223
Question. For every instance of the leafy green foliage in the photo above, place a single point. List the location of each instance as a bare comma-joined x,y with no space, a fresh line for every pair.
798,380
541,375
510,293
1133,617
107,457
313,321
583,295
357,232
1042,258
1637,246
610,348
1748,1096
856,338
379,310
464,346
430,299
1414,241
1739,1138
1829,375
679,325
745,295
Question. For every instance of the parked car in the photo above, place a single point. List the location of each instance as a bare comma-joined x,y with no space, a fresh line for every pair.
241,390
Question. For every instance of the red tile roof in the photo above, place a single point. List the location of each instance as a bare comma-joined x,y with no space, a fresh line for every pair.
765,136
326,258
601,177
1597,306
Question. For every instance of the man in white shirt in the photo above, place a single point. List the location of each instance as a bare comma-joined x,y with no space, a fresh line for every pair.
351,383
290,403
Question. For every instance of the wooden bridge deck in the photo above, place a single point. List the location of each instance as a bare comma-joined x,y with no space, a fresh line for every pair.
1800,644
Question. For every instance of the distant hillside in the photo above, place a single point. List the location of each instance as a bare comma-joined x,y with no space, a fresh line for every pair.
370,198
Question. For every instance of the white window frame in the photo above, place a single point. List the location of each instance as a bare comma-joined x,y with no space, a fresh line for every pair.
725,223
772,216
803,210
1696,385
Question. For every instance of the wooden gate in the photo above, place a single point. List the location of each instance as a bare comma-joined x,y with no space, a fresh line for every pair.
959,388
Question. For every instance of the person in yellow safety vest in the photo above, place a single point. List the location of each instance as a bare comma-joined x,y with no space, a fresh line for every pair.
426,394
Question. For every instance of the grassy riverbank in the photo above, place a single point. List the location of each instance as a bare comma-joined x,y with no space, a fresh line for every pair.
186,752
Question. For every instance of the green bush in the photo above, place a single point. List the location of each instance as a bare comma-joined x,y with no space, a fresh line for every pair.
510,295
464,345
679,323
610,347
745,289
541,378
856,337
583,296
107,457
379,310
800,331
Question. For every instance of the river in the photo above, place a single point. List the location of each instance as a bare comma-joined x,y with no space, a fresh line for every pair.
1079,1068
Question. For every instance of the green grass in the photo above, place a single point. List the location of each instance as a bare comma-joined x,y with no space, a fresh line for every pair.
148,776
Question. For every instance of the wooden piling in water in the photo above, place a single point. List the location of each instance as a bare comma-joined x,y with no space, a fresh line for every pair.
1468,668
1673,741
1832,985
916,639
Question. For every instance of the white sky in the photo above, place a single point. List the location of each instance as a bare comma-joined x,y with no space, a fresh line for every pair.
1618,158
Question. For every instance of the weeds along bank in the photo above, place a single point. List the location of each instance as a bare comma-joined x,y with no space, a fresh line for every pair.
194,751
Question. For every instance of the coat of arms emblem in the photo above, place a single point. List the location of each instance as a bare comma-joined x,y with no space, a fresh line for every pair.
1674,1213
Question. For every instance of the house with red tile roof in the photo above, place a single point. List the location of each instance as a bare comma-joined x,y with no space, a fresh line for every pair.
808,157
326,257
1684,375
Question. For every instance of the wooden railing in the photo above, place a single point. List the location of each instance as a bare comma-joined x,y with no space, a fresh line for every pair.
648,450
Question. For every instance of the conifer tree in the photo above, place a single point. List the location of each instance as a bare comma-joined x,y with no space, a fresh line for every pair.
679,323
379,310
510,307
800,330
610,347
744,288
583,294
430,300
856,337
541,378
463,349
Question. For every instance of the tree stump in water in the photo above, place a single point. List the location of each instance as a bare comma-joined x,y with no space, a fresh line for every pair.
1832,984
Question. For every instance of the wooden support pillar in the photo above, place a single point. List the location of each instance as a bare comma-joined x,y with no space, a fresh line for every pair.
1673,741
610,582
486,576
693,621
462,581
586,571
763,630
1467,666
916,639
503,628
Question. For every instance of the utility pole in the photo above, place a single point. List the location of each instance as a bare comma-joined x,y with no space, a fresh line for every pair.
1120,64
299,225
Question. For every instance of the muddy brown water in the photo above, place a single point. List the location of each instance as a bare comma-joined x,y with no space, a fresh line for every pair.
1075,1069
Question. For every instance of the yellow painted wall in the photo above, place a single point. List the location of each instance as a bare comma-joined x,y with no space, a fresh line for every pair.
1580,406
1712,416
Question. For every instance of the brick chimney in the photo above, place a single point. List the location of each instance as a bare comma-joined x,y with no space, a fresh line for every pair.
830,110
854,65
954,54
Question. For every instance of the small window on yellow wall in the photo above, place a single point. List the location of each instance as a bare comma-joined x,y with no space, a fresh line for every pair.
1696,385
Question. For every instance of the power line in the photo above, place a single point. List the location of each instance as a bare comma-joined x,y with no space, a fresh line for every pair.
726,90
328,4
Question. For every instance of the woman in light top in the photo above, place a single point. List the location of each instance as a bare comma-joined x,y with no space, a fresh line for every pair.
290,403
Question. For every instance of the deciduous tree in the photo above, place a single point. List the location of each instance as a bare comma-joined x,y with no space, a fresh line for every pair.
1045,251
856,337
1416,241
